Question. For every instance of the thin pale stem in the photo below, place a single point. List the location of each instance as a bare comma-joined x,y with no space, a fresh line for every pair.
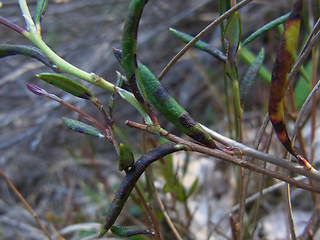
287,203
262,181
223,156
245,150
25,203
27,16
151,213
302,58
166,216
266,191
201,34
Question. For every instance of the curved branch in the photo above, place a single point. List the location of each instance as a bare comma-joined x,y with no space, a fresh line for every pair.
245,151
130,180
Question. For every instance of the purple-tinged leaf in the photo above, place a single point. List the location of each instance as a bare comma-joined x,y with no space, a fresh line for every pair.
37,90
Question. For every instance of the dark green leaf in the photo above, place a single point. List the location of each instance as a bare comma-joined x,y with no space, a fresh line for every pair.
248,57
168,188
128,232
302,88
82,127
250,76
200,44
233,31
193,187
30,51
232,34
119,231
126,159
265,28
181,194
167,169
66,84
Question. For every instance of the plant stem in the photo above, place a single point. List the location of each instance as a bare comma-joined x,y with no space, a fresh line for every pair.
66,67
245,150
31,27
201,34
11,25
25,203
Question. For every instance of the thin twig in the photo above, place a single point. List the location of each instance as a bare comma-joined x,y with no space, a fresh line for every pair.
262,183
150,212
164,212
302,58
223,156
265,191
129,181
312,226
288,207
11,25
314,29
25,203
245,150
201,34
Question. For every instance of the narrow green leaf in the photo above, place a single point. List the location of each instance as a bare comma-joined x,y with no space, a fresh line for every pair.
119,231
200,44
193,187
168,188
128,96
248,57
181,194
302,88
265,28
232,34
126,159
244,53
30,51
66,84
233,31
82,127
167,169
250,76
223,5
41,7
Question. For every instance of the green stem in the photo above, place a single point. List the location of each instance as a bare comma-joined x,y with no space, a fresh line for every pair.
66,67
27,16
237,108
92,78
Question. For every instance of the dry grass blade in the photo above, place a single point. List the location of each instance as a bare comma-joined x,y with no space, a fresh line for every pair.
266,191
303,57
25,203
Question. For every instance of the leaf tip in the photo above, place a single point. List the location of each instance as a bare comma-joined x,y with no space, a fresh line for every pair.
36,90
